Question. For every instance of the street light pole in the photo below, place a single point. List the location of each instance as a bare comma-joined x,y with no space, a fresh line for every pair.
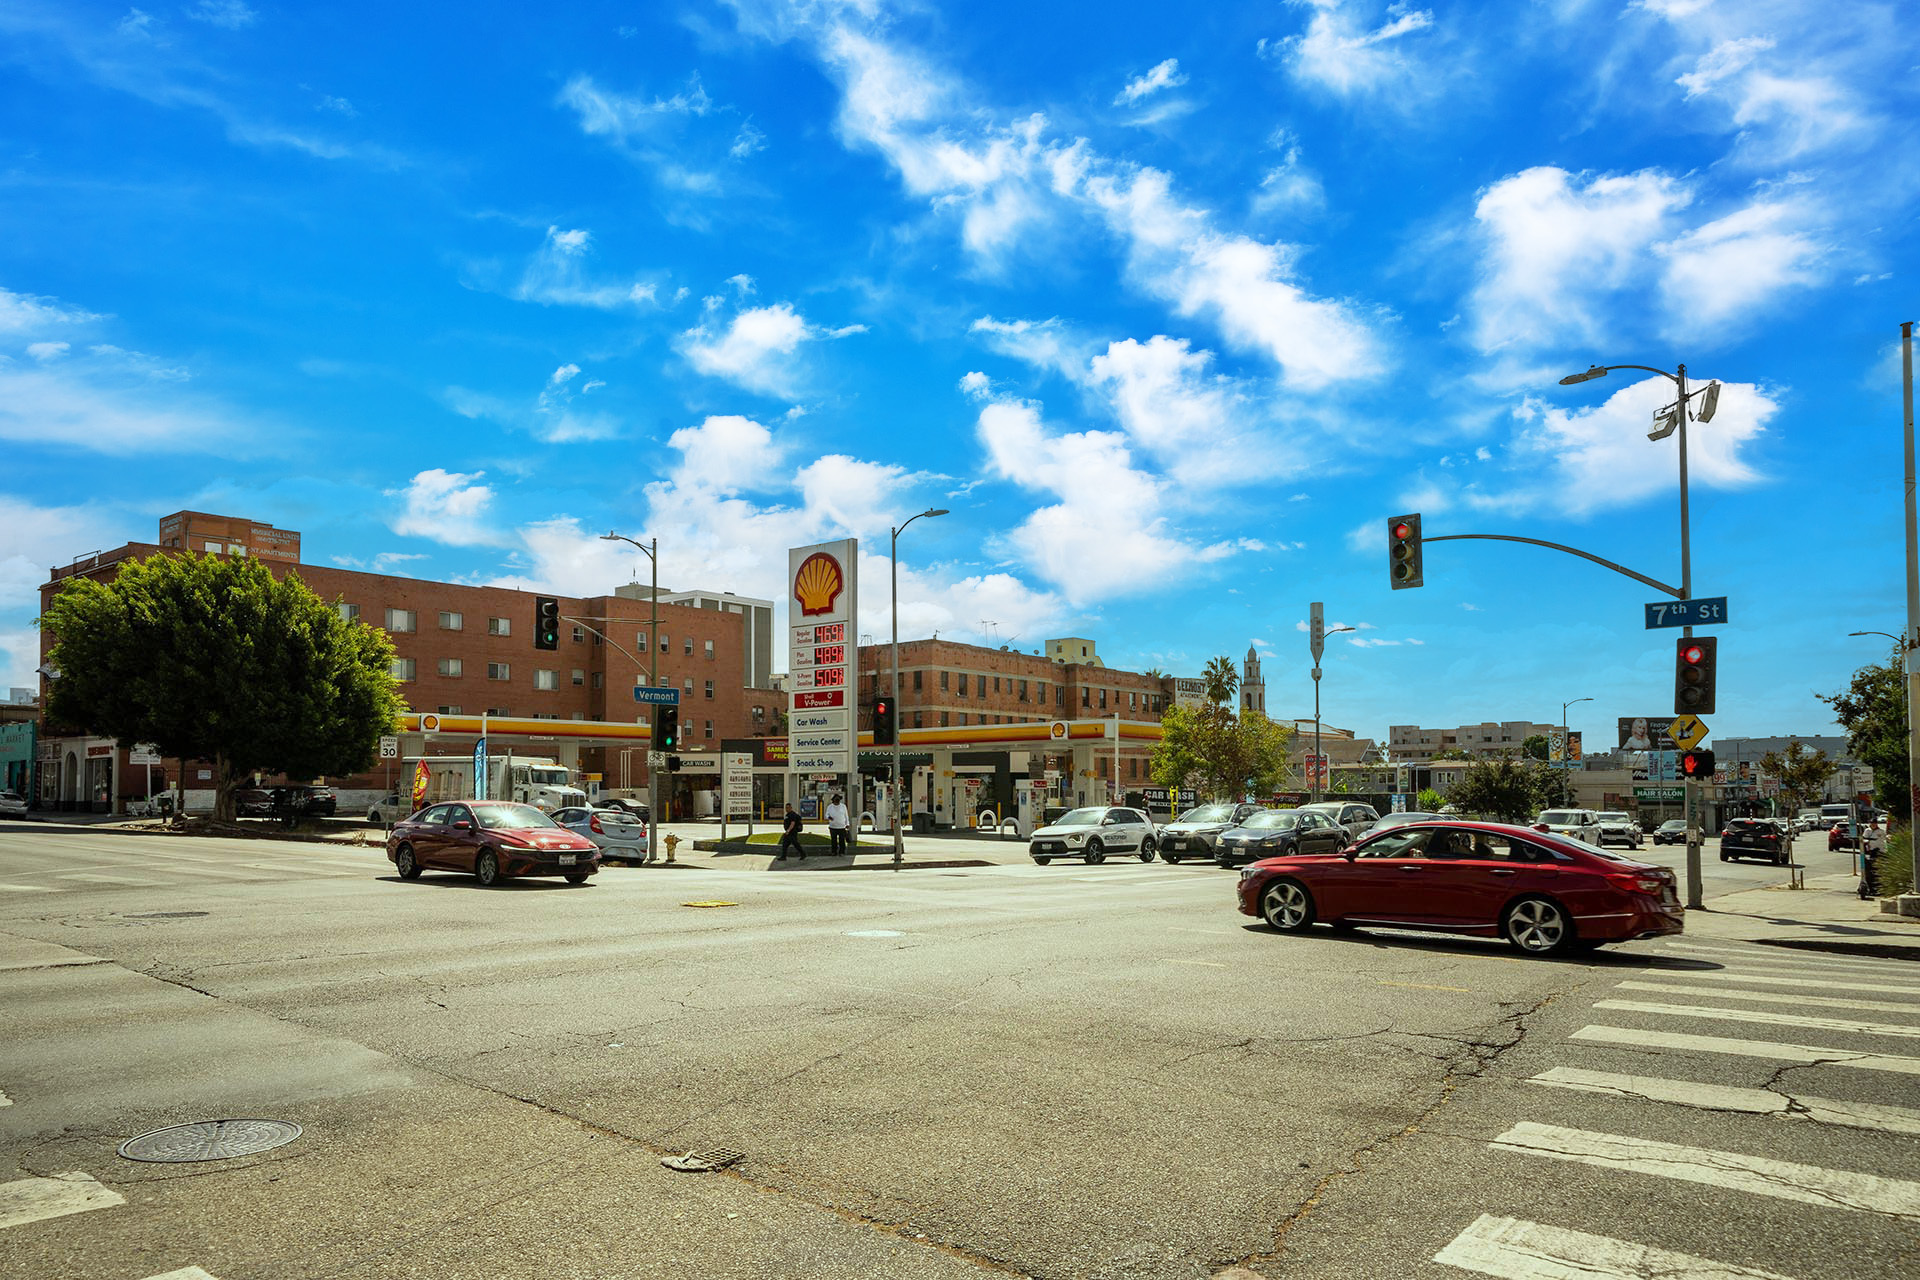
1313,787
893,570
1566,738
652,547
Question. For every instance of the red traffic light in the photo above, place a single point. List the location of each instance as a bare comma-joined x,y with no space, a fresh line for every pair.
1693,654
1403,530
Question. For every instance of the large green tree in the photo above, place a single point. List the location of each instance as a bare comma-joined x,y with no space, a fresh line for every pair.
1874,711
1802,774
214,659
1502,789
1220,754
1222,681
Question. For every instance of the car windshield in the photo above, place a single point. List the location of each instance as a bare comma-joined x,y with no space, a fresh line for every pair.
1081,818
1281,820
1561,818
1209,813
510,817
1674,824
1615,817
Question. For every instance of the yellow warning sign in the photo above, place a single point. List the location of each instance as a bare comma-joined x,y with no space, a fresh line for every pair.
1687,732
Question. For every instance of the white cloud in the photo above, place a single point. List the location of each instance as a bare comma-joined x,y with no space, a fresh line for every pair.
447,506
671,136
1721,274
113,401
746,142
1170,403
1165,75
136,25
47,352
556,275
339,106
231,14
758,348
26,313
976,385
1337,52
33,539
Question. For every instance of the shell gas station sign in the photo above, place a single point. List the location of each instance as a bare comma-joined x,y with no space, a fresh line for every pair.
823,605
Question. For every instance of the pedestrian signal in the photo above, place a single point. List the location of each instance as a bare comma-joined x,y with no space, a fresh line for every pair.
1696,764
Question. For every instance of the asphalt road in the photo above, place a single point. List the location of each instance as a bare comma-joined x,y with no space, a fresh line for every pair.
1006,1070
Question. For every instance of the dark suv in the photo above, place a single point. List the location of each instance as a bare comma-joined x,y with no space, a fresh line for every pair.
318,802
1753,838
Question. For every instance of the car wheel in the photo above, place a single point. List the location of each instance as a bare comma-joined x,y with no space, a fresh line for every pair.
1287,906
1726,857
486,868
1042,861
1537,927
576,877
1146,849
404,863
1095,853
1169,857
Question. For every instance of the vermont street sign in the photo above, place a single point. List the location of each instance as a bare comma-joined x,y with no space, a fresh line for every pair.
661,696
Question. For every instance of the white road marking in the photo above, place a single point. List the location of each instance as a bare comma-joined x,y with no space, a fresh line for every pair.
1717,1097
1806,1183
1210,964
185,1273
31,1199
95,877
1764,1016
5,1101
1811,1054
26,888
1773,997
1515,1249
1818,984
1810,961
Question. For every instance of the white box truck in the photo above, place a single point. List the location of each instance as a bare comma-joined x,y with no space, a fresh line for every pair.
545,784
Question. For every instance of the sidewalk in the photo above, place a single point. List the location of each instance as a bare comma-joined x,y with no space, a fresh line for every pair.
1827,915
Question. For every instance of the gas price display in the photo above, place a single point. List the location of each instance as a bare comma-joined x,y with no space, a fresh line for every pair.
830,655
829,677
830,633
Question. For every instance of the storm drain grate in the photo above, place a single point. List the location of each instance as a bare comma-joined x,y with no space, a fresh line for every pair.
208,1140
704,1161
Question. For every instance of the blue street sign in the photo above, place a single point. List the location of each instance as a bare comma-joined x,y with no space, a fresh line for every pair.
658,697
1702,612
480,769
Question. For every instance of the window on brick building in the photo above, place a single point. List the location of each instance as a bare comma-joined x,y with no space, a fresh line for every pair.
759,712
666,642
451,709
709,645
688,686
402,668
579,635
450,667
1059,695
709,691
599,679
452,621
1133,701
402,620
687,645
579,676
983,688
916,681
943,679
499,626
1103,699
496,711
709,728
1023,691
996,684
943,719
1086,697
963,684
543,679
350,612
497,671
919,720
963,719
640,640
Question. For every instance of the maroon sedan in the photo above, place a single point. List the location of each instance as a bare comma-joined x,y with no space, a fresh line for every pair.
493,840
1543,893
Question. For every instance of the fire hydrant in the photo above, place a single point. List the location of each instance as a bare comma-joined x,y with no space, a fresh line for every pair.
672,843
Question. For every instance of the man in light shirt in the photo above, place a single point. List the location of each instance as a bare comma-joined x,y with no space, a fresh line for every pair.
837,825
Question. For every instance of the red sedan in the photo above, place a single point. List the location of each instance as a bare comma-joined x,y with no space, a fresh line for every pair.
1545,894
491,840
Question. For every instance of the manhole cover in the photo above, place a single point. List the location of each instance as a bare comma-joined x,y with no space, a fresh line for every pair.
710,902
704,1161
167,915
209,1140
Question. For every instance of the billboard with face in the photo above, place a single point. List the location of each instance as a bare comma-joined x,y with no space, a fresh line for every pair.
1646,733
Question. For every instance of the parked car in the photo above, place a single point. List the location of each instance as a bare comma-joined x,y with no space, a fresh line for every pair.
1575,824
1276,832
1753,838
12,805
319,802
1196,832
632,808
1544,893
1618,828
1092,833
391,807
1840,836
1357,818
252,802
1672,831
1402,819
617,833
1806,820
492,840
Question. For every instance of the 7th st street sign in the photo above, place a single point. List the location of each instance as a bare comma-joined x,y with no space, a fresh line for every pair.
1703,612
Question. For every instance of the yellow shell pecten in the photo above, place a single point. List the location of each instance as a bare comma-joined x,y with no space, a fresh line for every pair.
817,583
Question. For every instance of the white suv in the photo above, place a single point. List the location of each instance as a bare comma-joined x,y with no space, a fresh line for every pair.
1093,833
1580,824
1619,826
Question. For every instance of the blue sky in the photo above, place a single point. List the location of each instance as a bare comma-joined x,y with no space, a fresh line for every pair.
1172,306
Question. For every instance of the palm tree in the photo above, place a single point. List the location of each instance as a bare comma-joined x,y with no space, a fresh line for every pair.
1221,680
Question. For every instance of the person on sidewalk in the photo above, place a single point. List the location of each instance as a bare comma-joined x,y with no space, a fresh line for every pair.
837,825
790,835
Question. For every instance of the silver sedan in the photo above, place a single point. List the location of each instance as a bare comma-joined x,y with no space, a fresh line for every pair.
618,833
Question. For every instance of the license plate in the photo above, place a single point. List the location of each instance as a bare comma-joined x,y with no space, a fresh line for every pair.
567,859
1176,844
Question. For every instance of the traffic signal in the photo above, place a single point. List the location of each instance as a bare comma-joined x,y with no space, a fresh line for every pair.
666,728
1696,764
1403,552
674,763
883,722
546,622
1693,666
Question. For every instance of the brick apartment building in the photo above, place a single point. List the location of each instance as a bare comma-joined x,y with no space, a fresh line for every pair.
1410,743
462,650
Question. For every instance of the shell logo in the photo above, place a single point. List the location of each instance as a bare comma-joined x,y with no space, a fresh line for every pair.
429,723
1057,730
818,584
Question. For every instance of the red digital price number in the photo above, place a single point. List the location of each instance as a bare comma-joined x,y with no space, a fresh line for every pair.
830,633
829,677
830,655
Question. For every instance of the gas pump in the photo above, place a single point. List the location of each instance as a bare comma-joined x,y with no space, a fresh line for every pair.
883,806
1030,805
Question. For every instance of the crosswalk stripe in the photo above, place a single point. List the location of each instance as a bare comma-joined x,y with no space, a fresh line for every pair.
1717,1097
185,1273
1771,997
97,877
1766,1017
1772,959
31,1199
1818,984
1515,1249
26,888
5,1101
1806,1053
1806,1183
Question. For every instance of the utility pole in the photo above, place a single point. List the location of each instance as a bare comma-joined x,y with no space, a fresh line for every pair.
1913,602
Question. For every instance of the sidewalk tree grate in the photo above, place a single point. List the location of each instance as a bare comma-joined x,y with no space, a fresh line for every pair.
704,1161
208,1140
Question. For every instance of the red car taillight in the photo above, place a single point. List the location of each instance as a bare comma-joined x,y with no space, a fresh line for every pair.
1636,882
594,823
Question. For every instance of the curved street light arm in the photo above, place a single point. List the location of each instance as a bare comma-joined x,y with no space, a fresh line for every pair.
1675,592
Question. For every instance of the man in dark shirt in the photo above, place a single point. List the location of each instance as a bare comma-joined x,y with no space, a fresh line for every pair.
790,836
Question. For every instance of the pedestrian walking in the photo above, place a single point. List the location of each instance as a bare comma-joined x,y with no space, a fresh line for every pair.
790,835
837,825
